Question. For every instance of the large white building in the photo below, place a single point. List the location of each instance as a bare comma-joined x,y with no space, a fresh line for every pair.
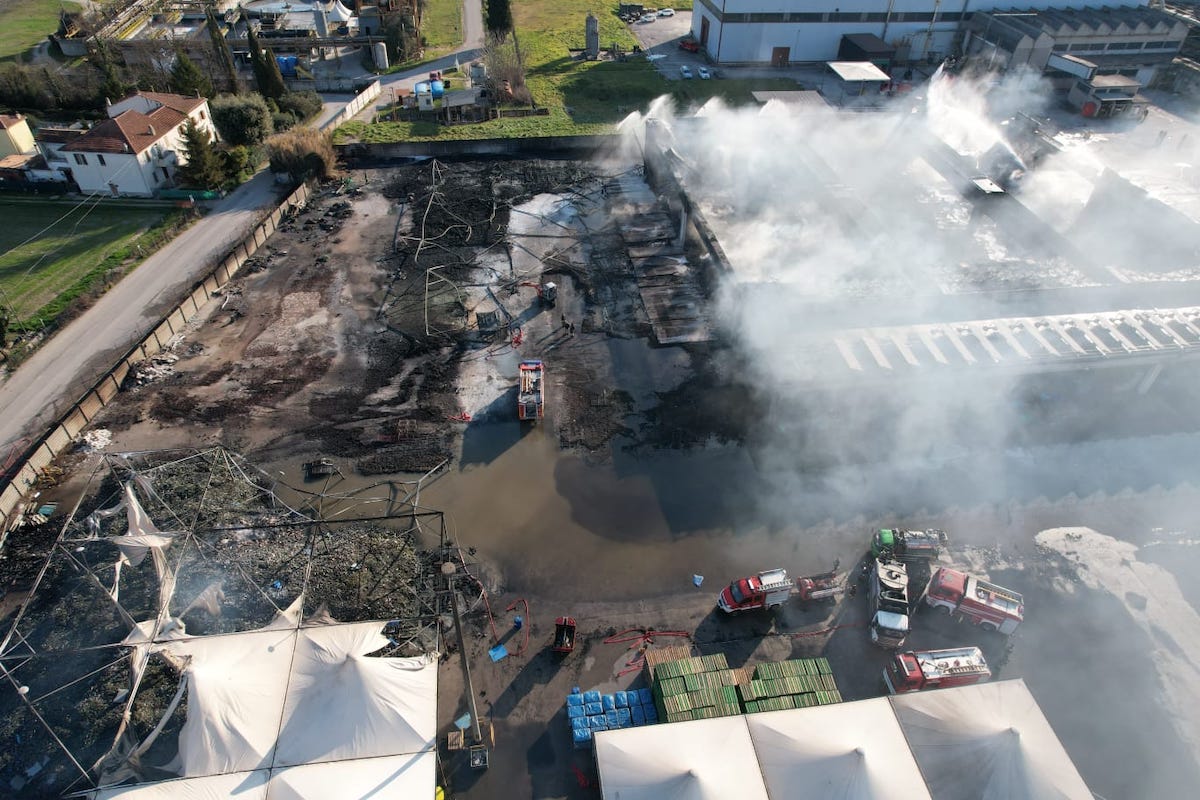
138,149
781,32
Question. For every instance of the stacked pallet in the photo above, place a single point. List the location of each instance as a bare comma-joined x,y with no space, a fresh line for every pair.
781,685
590,712
697,687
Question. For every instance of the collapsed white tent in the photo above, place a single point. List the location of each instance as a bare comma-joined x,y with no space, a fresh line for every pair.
287,711
699,760
987,742
983,742
849,751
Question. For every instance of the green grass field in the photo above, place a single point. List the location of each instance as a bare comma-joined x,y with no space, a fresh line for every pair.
442,24
26,23
584,97
37,275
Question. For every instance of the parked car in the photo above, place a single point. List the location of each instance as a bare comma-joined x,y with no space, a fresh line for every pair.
691,45
685,71
666,12
648,18
704,73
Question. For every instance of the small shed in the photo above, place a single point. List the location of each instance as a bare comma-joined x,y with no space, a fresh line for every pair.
866,47
855,83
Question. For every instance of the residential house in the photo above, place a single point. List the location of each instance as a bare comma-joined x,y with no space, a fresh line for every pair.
138,150
15,136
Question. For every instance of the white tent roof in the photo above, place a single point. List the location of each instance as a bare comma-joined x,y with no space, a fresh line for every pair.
705,759
242,785
406,777
300,713
984,742
339,12
987,742
850,751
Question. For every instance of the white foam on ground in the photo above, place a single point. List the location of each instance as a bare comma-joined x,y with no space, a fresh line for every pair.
1107,564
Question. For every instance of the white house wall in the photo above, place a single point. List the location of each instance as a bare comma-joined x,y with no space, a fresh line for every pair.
809,41
123,169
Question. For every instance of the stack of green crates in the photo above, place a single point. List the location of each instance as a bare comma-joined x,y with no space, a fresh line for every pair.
780,685
701,687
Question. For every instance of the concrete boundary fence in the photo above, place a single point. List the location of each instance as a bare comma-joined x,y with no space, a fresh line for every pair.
354,106
26,477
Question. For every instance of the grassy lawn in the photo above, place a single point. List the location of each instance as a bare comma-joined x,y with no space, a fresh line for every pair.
442,24
35,276
584,97
26,23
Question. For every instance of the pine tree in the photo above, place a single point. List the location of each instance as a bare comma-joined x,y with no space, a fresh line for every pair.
186,78
499,17
203,168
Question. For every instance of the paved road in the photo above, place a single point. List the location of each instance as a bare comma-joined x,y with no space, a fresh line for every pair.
37,393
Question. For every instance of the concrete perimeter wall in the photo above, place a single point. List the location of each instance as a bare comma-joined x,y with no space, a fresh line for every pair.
356,105
61,436
532,146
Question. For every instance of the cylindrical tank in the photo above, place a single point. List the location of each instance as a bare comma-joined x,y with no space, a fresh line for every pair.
478,73
379,51
438,89
591,36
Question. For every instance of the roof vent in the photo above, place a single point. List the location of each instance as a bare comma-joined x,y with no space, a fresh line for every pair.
150,130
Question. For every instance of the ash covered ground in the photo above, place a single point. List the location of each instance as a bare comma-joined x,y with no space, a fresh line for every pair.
382,327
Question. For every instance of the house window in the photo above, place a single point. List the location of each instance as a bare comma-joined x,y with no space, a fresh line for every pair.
201,115
80,158
101,159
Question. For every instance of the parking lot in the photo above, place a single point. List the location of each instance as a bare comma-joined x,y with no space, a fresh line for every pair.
660,39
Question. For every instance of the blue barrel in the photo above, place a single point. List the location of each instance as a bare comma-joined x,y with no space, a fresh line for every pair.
438,88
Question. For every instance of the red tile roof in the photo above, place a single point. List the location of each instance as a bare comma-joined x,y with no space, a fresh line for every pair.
58,135
9,120
181,103
128,132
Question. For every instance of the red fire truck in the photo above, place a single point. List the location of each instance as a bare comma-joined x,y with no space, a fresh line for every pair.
768,589
935,669
985,604
531,395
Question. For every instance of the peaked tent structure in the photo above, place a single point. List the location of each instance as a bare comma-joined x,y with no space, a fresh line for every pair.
683,761
983,742
989,741
860,753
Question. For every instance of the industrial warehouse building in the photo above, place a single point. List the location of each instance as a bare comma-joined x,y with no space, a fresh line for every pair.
986,740
782,32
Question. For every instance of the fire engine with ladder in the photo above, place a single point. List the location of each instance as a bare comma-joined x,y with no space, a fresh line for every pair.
935,669
772,588
531,394
971,598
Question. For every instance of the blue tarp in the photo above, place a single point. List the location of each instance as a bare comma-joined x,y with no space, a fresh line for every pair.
591,697
498,652
645,697
574,712
574,700
636,715
593,709
610,702
622,700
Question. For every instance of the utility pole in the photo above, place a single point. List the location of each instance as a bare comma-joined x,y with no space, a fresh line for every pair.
462,652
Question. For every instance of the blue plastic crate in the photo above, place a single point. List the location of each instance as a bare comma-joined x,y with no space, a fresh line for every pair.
645,697
609,701
622,700
623,718
591,697
580,722
593,709
599,723
650,713
574,712
574,700
636,715
614,721
582,737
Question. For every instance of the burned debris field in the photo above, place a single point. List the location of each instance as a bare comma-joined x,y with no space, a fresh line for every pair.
733,380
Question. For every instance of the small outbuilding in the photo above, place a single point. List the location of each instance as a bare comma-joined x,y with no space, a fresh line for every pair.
855,83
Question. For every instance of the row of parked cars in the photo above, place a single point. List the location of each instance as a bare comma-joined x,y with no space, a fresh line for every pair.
648,15
704,72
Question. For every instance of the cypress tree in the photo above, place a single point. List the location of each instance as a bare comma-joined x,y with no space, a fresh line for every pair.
186,78
499,17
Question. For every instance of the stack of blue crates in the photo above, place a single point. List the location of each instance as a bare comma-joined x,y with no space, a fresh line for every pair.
589,712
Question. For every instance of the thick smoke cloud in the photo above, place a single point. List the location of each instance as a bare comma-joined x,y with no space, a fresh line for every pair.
834,220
